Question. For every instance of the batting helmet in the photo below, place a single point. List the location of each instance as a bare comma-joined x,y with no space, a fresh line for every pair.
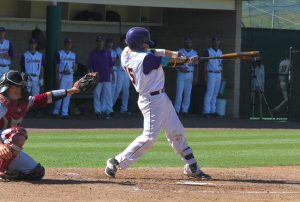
12,78
136,37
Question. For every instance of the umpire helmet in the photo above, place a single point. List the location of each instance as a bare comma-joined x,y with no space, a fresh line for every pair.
12,78
136,37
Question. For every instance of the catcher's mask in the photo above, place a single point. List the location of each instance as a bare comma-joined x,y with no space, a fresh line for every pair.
14,78
136,37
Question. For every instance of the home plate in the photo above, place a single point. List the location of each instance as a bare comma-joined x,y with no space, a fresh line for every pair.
195,183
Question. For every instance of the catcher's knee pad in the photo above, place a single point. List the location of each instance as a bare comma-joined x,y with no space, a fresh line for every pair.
15,139
35,174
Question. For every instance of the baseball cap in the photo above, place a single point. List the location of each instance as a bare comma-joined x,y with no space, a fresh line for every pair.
2,29
100,38
32,41
67,40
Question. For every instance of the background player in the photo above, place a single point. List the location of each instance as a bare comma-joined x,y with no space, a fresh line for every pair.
100,61
147,75
6,52
66,65
32,63
109,44
185,75
123,83
213,78
14,104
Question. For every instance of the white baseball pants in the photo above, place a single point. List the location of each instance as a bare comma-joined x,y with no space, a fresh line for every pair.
212,90
184,87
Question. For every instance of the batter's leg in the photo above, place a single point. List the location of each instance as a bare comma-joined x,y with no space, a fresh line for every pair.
176,137
152,109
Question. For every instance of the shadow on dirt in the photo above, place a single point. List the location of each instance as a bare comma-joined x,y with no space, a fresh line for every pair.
72,181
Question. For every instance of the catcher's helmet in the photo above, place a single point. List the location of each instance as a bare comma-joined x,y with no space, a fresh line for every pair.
12,78
136,37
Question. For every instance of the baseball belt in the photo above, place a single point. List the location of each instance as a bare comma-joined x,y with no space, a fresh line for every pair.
157,92
216,72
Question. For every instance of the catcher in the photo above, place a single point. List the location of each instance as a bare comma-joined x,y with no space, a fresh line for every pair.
14,104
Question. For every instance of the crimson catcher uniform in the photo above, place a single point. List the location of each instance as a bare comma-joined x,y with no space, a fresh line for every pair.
13,136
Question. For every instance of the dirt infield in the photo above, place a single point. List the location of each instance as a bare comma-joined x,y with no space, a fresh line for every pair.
159,184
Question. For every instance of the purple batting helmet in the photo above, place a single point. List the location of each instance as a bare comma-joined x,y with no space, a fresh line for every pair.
136,37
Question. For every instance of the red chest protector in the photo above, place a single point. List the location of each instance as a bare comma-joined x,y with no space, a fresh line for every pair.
16,110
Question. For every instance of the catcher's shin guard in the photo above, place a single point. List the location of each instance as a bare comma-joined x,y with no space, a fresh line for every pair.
14,138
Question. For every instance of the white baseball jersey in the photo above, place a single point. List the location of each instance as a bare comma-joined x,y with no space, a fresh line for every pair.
67,61
215,64
33,62
190,53
284,68
4,48
132,62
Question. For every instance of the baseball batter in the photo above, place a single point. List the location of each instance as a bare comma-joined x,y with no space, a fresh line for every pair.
213,78
66,65
32,63
6,52
147,76
185,75
14,104
123,82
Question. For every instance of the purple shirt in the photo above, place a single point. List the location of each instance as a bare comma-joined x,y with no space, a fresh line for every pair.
151,62
100,61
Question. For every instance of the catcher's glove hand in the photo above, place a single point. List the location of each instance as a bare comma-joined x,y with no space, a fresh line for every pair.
87,83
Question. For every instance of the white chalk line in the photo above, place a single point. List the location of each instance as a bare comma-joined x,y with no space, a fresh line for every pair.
137,189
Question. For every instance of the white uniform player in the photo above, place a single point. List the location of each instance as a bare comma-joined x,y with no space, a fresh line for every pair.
213,78
123,82
32,64
109,46
66,66
185,75
6,52
147,76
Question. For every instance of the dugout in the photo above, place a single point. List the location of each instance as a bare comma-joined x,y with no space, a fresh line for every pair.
169,22
273,44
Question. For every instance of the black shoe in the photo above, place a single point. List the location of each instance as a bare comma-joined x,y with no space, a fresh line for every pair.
128,113
207,115
65,117
216,115
55,116
99,115
202,176
111,167
110,115
184,114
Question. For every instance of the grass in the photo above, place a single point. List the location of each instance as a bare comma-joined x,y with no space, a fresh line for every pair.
213,148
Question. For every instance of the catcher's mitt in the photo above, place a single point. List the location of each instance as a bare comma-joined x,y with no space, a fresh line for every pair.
88,82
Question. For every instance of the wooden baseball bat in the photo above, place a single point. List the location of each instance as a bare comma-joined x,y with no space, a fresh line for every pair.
234,56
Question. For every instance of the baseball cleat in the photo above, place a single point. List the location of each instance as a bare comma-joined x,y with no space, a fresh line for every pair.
201,176
111,167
